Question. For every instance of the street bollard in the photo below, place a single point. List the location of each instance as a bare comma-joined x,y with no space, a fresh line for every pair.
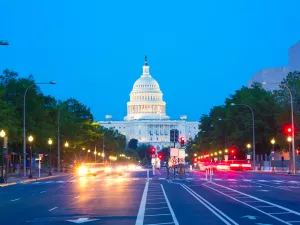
211,174
206,171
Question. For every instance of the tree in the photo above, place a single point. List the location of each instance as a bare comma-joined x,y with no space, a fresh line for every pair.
133,144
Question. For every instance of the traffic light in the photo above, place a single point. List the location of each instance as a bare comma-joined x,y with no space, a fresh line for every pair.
176,135
152,150
298,152
172,135
182,141
195,160
160,156
232,151
287,130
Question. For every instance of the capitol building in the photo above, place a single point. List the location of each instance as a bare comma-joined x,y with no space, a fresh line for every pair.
146,118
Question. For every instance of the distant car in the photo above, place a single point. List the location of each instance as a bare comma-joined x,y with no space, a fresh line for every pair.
222,167
90,169
114,170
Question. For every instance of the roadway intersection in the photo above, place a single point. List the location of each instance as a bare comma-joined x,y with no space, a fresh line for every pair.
139,198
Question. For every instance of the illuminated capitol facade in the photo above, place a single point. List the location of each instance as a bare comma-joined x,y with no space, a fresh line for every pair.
146,118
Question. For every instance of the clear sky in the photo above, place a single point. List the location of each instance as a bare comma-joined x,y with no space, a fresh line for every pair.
200,52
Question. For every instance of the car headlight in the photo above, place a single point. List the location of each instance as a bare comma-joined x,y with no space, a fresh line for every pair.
107,170
82,170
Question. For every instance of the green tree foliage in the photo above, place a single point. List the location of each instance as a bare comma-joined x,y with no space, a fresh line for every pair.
133,144
228,125
44,114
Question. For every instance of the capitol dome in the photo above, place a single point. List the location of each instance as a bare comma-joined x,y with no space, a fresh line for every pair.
146,100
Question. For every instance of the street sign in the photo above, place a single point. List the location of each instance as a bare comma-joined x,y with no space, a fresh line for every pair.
174,152
226,158
153,161
174,161
181,154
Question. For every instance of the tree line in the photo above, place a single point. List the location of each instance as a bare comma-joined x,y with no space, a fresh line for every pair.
230,125
44,114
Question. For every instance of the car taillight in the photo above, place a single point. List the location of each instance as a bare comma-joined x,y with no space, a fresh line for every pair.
234,165
246,165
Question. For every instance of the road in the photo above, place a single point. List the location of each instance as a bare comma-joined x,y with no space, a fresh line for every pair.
138,198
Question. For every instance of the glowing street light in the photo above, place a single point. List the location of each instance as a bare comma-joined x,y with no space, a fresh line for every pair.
67,144
248,146
30,139
50,142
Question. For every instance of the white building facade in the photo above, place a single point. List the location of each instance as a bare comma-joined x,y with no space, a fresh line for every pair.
146,118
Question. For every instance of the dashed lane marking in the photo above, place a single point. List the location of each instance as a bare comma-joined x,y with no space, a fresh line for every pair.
17,199
52,209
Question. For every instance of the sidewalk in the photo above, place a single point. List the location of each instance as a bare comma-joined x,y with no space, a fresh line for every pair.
277,172
16,179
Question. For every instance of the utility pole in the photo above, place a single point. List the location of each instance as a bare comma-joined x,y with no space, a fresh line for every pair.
58,141
103,148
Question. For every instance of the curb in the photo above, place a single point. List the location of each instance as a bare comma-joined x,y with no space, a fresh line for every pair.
274,173
31,180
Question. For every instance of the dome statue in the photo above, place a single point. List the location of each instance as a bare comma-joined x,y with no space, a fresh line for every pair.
146,101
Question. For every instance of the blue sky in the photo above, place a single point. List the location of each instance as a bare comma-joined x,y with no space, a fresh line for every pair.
200,52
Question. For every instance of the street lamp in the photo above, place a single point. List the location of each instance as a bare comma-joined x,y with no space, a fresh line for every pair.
248,146
273,150
50,157
24,121
30,139
4,43
292,121
2,180
253,130
66,144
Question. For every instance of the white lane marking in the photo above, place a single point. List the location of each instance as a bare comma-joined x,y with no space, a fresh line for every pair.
279,213
48,182
169,205
231,179
262,181
247,180
159,215
273,186
77,197
156,203
257,200
136,179
155,199
147,174
52,209
157,208
217,179
265,206
294,182
141,213
43,192
60,182
209,206
17,199
161,178
159,223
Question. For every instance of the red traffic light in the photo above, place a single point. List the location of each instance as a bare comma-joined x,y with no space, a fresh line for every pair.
288,130
160,156
232,151
153,150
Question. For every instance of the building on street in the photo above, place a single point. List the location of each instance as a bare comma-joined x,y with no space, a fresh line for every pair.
146,118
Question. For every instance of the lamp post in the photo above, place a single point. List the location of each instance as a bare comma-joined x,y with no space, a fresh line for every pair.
253,131
273,150
95,153
30,139
289,139
292,121
2,180
50,157
24,121
4,43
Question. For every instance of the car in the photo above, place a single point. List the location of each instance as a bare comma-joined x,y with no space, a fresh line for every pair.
222,167
90,169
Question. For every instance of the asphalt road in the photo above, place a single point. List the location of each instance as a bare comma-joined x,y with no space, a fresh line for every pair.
139,198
